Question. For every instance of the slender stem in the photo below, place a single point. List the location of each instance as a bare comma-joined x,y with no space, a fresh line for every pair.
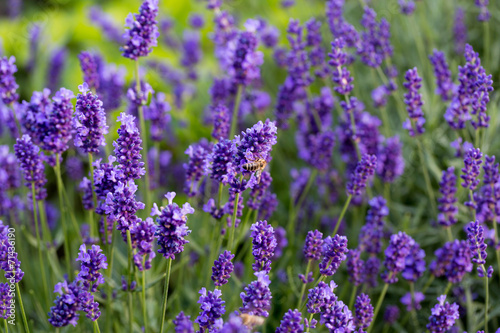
413,312
473,211
486,27
342,213
130,276
219,197
486,302
42,264
377,308
110,275
430,192
233,223
428,284
308,268
96,327
310,319
449,234
497,252
353,129
144,294
448,287
237,101
6,327
165,295
144,138
21,305
62,208
353,296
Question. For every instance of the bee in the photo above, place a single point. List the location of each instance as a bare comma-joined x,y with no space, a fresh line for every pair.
256,166
251,321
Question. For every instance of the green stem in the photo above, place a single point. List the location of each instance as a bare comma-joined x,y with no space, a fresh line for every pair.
39,242
310,319
236,107
377,308
342,213
21,305
165,295
448,287
219,197
486,302
486,27
413,312
6,327
233,223
143,137
497,252
110,276
353,296
430,193
144,295
449,234
473,211
303,290
62,208
96,327
130,276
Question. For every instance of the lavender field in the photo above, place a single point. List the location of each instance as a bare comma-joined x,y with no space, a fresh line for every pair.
237,166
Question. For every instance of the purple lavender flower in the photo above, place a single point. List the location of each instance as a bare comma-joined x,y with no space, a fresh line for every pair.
364,311
86,188
222,121
475,234
56,66
281,242
355,267
341,75
268,206
313,246
414,103
245,61
269,36
6,297
67,304
183,324
142,32
89,121
9,261
390,161
8,85
221,167
288,93
459,31
234,325
444,85
58,120
334,252
112,80
339,27
263,245
407,7
338,318
472,161
142,234
414,264
197,166
361,175
128,148
172,227
399,248
257,296
412,302
191,52
484,13
212,309
317,52
391,314
89,65
158,114
320,297
375,43
443,316
447,203
121,206
108,27
105,180
35,32
297,60
31,165
222,268
453,261
229,209
92,261
256,142
291,322
196,21
259,191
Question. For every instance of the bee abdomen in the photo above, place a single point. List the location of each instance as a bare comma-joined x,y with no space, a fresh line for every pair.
251,166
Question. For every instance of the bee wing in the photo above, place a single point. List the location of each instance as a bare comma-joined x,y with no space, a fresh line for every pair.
258,173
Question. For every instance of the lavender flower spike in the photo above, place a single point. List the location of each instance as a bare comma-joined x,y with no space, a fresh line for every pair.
447,203
472,161
89,65
92,261
291,322
341,75
142,32
414,103
364,311
128,149
257,296
222,269
363,172
172,227
443,316
484,13
475,234
212,309
89,121
263,245
334,252
444,84
396,252
28,155
8,85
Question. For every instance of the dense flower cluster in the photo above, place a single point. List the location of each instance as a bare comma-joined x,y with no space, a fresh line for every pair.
313,246
362,174
8,85
263,245
443,316
257,296
92,260
142,33
28,156
444,85
414,103
128,148
453,261
399,248
222,268
197,166
334,252
364,311
291,322
172,227
447,203
212,309
375,44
